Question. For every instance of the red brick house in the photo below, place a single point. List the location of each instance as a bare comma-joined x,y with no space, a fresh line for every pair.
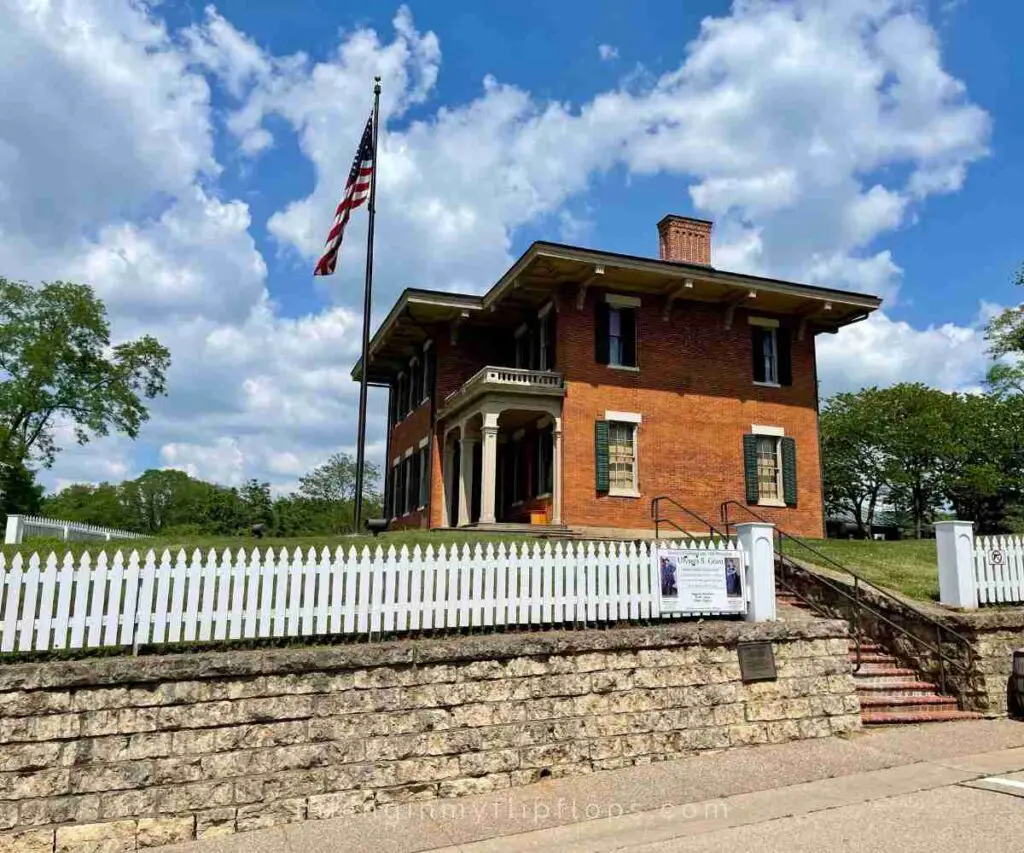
585,383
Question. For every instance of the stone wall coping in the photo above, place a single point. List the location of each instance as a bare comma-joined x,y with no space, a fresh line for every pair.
92,672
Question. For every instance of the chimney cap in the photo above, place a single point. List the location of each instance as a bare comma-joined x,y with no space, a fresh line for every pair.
677,217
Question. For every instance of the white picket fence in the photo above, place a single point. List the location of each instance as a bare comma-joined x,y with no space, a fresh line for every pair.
131,600
20,526
999,569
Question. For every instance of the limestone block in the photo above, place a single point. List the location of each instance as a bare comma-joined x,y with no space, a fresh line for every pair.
34,702
263,815
485,763
110,777
815,727
29,756
748,734
478,785
125,804
113,837
40,783
27,841
326,806
176,799
214,823
51,727
156,831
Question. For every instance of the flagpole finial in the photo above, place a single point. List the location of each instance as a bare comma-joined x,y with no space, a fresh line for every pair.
376,85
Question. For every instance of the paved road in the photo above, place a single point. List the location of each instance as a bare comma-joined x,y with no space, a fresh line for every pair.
935,788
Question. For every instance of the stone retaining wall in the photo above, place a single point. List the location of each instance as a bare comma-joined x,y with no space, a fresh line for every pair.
979,680
125,753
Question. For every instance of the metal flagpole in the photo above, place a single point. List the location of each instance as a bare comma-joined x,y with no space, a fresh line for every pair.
367,295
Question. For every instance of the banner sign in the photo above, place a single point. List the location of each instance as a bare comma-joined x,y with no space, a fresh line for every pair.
693,580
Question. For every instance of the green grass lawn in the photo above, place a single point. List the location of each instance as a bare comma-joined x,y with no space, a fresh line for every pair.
909,566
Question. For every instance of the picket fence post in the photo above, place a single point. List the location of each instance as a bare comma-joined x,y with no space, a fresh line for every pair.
757,541
954,541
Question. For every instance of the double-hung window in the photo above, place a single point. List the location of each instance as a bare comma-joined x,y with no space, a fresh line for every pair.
424,470
622,458
771,351
769,470
616,331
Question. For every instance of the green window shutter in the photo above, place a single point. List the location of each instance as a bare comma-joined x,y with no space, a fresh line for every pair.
757,352
789,471
785,356
601,455
750,467
601,331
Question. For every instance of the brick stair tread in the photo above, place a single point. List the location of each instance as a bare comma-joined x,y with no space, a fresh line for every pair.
884,671
934,699
888,718
873,657
895,686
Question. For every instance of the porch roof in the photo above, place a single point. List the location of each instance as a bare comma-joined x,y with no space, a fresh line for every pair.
544,267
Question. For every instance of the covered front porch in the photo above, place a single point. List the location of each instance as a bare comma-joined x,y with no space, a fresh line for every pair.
502,449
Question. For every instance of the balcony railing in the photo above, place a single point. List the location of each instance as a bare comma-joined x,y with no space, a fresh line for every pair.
507,379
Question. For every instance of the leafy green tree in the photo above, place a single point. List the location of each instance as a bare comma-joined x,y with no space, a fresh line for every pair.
19,494
257,503
856,467
332,486
58,364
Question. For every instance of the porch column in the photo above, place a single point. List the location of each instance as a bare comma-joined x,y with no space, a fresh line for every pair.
556,471
488,468
447,486
466,478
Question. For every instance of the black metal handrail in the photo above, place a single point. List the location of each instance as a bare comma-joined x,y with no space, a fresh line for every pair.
659,519
859,605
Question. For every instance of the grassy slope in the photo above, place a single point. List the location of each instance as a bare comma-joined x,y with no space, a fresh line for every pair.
910,566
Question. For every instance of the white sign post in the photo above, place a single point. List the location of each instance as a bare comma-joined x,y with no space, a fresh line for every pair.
692,580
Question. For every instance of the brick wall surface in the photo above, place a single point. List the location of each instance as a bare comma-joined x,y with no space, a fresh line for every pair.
127,753
695,393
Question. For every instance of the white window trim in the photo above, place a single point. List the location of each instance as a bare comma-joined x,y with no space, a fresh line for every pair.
545,310
768,384
395,462
758,429
766,322
772,325
424,442
407,453
427,344
634,420
626,367
621,301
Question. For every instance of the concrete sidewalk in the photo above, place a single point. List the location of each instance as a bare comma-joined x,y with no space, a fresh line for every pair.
904,788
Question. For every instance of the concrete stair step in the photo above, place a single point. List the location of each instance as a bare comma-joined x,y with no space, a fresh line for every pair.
891,718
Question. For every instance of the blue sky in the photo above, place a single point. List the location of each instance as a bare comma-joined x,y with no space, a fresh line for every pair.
866,144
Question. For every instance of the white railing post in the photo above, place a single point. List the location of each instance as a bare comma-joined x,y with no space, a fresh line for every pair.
954,541
15,530
757,540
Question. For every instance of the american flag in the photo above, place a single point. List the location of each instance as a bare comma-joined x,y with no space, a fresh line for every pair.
356,191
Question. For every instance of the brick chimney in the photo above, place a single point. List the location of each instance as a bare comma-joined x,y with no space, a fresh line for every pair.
681,238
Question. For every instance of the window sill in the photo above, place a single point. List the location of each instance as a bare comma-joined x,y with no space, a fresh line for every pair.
542,495
772,502
623,493
631,369
517,503
767,384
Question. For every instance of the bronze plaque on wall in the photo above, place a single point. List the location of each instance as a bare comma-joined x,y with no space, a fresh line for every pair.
757,662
